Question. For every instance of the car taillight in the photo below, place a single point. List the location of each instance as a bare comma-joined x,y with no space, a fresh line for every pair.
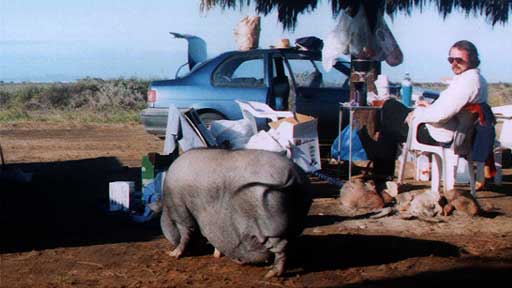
152,96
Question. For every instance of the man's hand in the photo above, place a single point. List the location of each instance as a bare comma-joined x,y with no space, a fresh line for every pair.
409,118
422,103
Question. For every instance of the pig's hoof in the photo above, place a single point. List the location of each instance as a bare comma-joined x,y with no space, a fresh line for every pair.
273,273
175,253
217,253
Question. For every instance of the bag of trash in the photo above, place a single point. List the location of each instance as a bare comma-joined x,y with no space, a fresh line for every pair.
236,133
358,152
247,33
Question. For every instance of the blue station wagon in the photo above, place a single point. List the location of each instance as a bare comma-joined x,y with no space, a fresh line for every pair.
285,79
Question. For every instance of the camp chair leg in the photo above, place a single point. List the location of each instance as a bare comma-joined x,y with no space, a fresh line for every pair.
436,173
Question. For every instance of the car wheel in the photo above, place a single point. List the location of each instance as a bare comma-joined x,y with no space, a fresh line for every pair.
208,117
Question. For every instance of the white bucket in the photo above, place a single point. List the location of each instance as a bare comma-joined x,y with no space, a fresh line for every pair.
462,173
119,195
422,168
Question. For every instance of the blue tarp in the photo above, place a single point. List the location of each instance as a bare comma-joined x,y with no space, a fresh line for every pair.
358,152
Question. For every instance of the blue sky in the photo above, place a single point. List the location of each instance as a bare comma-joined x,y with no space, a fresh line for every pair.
57,40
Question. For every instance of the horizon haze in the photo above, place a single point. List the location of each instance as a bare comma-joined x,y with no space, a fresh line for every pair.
59,40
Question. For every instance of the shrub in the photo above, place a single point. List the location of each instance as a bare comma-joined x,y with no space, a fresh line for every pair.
116,100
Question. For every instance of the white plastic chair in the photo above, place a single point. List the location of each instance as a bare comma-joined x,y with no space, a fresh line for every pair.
503,114
444,162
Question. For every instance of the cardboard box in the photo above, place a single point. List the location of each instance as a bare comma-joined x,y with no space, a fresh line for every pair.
301,125
299,134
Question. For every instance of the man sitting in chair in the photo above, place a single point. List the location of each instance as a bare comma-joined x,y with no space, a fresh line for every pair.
466,90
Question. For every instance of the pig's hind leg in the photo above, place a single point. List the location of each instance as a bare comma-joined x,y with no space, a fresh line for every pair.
185,235
178,233
169,227
277,246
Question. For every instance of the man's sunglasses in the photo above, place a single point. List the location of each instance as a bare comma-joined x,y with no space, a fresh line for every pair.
456,59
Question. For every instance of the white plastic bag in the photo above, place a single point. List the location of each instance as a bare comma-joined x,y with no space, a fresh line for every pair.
247,33
264,141
237,133
382,85
337,41
360,35
352,35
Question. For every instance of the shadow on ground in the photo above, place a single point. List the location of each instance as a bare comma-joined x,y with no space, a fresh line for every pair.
459,277
333,252
66,204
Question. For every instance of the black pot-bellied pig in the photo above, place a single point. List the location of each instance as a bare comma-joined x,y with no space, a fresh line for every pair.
247,203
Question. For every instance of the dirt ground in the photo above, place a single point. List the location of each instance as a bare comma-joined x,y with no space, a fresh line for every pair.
56,231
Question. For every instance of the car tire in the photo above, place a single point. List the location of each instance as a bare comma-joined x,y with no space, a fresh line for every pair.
208,117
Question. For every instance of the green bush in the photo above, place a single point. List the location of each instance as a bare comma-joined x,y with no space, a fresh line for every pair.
87,100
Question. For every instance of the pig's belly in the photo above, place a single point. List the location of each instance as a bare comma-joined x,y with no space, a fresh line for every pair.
235,240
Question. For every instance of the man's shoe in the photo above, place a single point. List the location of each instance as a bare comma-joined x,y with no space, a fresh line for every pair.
479,186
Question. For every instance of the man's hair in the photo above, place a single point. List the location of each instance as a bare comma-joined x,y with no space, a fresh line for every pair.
469,47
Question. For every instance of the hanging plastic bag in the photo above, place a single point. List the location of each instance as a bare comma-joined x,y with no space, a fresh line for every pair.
358,153
361,37
337,41
352,35
247,33
386,46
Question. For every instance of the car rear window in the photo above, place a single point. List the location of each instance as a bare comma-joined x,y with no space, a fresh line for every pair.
244,71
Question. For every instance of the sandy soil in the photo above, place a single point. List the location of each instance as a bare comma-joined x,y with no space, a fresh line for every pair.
55,231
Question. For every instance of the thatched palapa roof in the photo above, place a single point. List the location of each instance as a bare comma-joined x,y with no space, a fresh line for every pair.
495,11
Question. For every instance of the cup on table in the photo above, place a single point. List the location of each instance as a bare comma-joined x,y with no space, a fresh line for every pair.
378,102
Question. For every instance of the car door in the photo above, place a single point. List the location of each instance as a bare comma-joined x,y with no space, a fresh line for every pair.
317,92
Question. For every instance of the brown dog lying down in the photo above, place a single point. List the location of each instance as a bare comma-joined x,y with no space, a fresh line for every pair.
461,201
359,194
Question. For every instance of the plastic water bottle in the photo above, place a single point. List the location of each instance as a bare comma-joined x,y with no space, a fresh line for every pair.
406,90
462,172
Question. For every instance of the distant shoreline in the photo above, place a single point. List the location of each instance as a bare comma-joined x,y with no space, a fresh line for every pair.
75,80
134,78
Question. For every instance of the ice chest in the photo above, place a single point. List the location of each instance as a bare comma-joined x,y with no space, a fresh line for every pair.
300,135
